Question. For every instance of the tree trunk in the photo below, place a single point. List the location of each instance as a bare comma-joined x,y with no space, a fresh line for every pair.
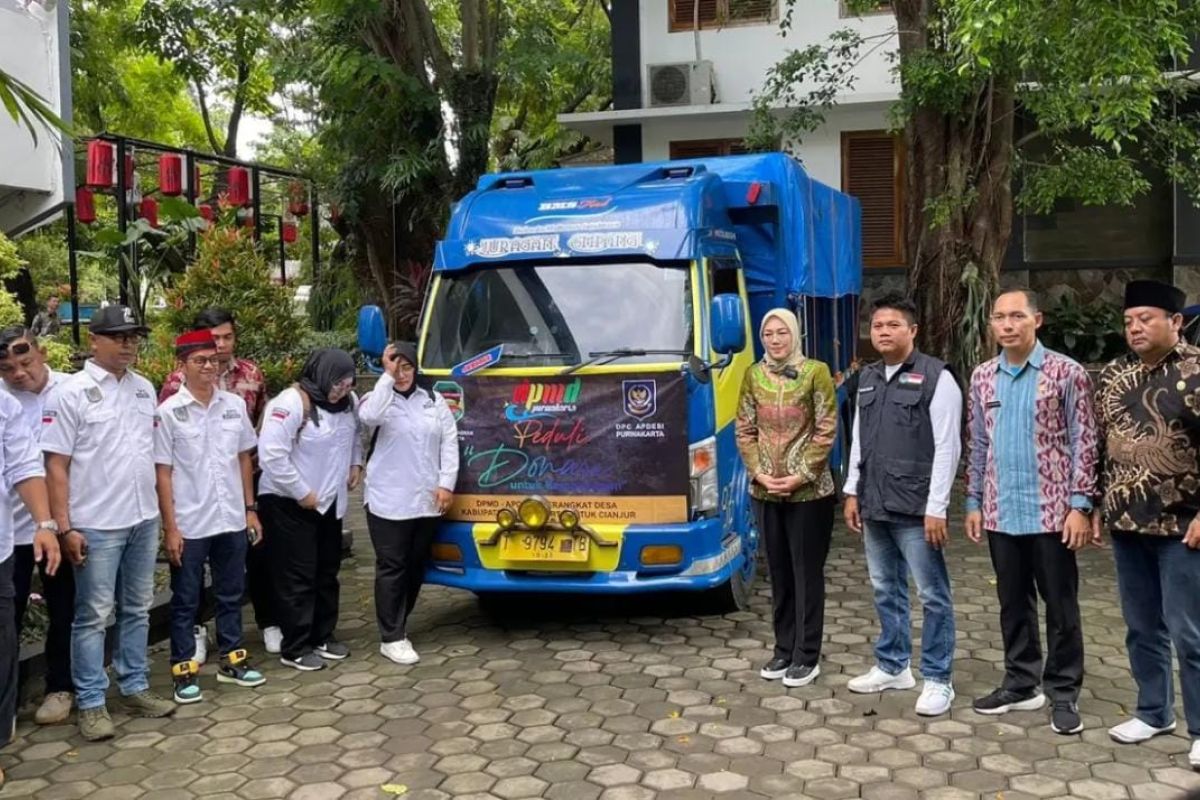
958,217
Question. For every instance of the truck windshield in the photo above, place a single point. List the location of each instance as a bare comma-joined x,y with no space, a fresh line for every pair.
558,314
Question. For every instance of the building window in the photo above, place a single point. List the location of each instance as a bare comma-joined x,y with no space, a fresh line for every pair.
879,8
873,171
720,13
707,148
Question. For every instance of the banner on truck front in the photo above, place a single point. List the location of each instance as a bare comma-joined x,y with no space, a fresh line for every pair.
612,447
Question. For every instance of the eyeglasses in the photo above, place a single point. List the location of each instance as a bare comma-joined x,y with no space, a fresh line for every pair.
405,368
344,385
15,349
205,361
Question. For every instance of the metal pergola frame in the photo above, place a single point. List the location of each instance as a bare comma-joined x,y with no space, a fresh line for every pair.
126,211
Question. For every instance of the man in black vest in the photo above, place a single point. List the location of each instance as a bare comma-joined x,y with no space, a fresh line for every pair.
903,456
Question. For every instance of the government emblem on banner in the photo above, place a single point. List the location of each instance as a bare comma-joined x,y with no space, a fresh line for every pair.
640,398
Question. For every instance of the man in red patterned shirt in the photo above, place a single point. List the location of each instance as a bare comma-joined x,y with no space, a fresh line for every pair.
243,378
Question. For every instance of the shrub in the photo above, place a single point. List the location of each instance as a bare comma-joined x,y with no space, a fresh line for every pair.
1088,332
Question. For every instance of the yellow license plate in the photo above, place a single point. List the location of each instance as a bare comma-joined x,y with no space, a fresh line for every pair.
569,547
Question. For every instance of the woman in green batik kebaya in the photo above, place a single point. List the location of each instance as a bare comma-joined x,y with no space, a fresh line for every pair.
786,426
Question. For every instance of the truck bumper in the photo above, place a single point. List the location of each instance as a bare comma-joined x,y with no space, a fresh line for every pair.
710,557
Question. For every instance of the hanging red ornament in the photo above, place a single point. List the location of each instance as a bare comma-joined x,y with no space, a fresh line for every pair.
100,156
170,174
297,199
196,180
206,212
150,211
130,172
85,205
290,231
246,218
239,186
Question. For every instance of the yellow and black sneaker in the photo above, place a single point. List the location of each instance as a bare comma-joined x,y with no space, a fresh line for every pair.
235,668
186,675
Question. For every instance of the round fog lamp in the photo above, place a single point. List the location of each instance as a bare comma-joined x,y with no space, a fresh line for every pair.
569,519
534,512
506,518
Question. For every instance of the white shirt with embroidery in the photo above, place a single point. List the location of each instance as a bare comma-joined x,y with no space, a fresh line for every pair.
106,426
201,445
32,403
298,455
415,454
19,461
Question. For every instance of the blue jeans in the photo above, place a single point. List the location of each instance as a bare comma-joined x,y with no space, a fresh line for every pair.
892,550
1159,581
226,557
118,573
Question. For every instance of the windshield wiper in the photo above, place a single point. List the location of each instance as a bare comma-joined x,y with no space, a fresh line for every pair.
605,356
529,356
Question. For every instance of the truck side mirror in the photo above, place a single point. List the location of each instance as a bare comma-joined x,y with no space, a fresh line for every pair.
727,323
372,336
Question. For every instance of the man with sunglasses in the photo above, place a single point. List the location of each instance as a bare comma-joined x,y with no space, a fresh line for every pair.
30,380
241,377
202,448
98,437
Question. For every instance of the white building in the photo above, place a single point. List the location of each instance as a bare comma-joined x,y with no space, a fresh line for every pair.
672,112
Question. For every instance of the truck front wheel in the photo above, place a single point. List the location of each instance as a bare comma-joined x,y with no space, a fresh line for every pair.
733,595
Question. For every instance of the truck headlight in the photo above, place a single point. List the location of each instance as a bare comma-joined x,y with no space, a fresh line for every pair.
534,512
702,460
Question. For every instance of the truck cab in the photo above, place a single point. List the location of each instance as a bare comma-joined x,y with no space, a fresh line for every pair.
589,329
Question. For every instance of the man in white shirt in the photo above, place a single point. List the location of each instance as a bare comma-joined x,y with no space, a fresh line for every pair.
20,468
30,380
98,437
904,453
202,447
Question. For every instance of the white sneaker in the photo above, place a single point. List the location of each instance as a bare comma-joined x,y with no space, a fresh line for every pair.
201,634
1194,756
1134,730
879,681
935,699
401,652
273,639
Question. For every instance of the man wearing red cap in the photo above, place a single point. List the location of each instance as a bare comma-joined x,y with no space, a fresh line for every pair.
202,445
1148,404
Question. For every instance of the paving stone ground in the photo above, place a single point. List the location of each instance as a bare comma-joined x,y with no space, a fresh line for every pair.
629,700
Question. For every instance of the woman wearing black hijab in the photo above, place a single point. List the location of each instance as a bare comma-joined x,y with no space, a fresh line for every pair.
311,457
410,481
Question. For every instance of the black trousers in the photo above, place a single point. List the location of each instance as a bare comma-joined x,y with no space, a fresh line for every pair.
401,554
1027,566
796,536
59,593
10,656
305,552
261,587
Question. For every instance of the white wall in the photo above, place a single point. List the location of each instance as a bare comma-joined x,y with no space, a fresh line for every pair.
32,176
741,55
821,151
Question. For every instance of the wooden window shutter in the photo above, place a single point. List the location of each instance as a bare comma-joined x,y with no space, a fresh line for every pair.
873,171
682,13
751,9
707,148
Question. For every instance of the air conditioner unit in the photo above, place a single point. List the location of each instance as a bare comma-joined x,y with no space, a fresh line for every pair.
687,84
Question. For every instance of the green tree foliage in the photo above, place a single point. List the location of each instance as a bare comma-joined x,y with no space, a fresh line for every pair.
1097,82
45,253
10,264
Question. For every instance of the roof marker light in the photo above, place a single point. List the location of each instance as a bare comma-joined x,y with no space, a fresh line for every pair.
753,193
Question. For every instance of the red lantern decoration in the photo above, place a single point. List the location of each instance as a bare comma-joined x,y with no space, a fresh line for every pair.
246,218
196,180
239,186
170,174
297,199
150,211
206,212
290,231
85,205
100,156
130,177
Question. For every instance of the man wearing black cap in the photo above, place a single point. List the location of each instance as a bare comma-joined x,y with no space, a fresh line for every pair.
98,437
1148,405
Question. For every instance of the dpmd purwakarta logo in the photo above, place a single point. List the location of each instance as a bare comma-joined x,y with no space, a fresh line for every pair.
640,397
452,393
534,400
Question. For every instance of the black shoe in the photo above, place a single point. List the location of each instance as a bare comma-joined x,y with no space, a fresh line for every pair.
798,675
332,650
1002,701
1064,717
775,669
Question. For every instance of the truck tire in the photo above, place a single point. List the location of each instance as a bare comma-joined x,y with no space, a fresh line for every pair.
733,595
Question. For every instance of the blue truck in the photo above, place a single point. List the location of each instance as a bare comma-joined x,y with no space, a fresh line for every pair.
590,329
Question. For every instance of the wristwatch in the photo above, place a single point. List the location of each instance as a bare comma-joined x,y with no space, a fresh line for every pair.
252,507
47,525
